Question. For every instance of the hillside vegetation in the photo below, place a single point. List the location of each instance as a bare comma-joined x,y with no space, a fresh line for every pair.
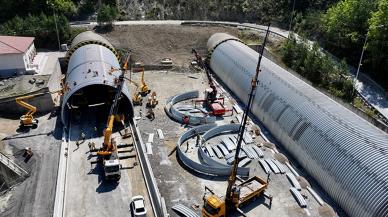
339,26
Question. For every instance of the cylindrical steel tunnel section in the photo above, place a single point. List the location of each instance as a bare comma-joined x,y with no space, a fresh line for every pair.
347,155
88,37
91,81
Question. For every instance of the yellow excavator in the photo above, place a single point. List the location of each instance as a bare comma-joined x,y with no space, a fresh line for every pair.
237,194
28,120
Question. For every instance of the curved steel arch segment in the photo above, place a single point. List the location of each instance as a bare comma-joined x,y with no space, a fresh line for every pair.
208,169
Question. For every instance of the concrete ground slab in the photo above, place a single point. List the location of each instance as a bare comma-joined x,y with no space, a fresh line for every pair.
87,194
179,184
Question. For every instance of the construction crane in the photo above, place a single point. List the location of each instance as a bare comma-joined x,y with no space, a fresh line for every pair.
108,154
28,120
215,104
237,195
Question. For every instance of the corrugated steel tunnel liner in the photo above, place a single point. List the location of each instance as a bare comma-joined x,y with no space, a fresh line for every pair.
347,155
88,37
92,81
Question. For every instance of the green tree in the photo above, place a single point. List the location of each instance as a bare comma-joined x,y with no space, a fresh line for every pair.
41,27
107,14
66,7
22,8
346,23
378,42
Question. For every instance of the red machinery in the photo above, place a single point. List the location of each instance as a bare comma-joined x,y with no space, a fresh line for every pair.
216,105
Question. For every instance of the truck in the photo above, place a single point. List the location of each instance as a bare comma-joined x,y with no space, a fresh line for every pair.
247,190
112,167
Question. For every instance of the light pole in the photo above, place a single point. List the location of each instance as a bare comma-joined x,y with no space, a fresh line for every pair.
360,62
292,16
56,28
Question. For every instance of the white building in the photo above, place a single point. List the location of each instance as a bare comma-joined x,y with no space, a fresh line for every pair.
16,55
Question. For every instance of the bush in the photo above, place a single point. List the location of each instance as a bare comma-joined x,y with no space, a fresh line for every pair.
106,15
317,67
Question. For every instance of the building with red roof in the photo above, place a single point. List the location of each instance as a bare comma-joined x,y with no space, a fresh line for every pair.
16,55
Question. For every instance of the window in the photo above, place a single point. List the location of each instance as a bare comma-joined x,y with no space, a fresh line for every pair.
141,209
112,169
209,209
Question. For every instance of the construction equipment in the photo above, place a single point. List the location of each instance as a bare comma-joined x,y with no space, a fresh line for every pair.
152,101
28,120
144,89
108,154
237,194
211,101
136,97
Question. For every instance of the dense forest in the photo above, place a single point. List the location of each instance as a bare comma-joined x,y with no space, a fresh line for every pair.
339,26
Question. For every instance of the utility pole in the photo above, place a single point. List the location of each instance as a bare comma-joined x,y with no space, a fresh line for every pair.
292,16
360,62
56,28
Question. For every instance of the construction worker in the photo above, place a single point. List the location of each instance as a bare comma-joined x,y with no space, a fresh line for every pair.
82,137
150,114
186,120
198,140
93,146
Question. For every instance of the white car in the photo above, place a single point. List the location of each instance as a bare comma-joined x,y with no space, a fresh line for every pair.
138,207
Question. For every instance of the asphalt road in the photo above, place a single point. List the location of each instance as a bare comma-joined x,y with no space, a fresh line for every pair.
86,193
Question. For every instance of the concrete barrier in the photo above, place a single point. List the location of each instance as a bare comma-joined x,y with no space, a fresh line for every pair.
44,104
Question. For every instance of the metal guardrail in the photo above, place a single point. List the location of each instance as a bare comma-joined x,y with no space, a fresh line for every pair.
157,201
233,24
12,165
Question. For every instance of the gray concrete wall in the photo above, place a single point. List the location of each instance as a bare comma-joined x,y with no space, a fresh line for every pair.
44,104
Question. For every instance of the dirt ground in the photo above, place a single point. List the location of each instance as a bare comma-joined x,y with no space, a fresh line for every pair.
150,44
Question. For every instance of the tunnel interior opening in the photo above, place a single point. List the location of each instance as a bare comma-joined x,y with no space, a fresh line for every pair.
92,104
